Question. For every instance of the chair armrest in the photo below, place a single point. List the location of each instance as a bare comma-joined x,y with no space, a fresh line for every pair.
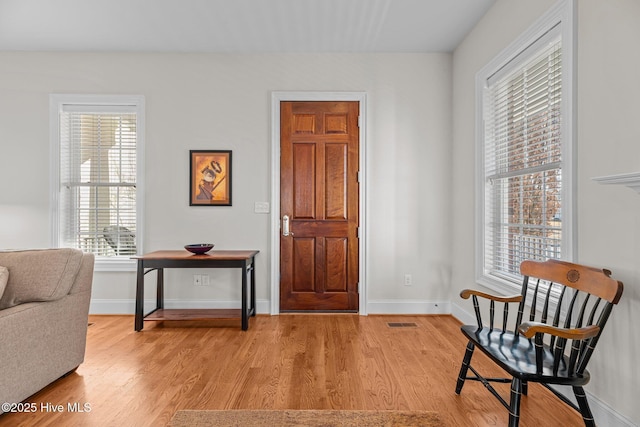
529,329
466,293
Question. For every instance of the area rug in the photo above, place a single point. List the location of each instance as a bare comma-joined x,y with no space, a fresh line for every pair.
304,418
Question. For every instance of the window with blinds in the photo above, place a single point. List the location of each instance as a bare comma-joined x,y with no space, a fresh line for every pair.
524,175
97,198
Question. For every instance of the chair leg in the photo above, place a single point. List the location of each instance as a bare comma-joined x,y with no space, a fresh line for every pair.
465,367
585,411
514,409
525,388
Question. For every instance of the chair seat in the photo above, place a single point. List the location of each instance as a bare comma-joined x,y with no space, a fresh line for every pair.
517,355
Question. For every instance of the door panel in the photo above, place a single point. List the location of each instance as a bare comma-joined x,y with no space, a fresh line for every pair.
304,173
319,193
304,264
335,189
336,256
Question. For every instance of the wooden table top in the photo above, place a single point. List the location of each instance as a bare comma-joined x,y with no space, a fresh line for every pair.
184,254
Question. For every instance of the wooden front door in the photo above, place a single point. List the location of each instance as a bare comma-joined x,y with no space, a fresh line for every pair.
319,206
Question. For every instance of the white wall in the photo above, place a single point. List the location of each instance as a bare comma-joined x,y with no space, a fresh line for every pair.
609,217
419,185
222,101
608,137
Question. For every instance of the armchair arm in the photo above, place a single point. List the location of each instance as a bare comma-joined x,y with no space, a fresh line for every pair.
466,293
529,329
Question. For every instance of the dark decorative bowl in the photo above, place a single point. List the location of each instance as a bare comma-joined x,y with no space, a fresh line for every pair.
199,248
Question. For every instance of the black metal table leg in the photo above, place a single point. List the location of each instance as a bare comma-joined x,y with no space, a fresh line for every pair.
253,286
244,314
160,289
139,321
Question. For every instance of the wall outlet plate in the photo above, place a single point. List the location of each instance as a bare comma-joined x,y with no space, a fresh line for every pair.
261,207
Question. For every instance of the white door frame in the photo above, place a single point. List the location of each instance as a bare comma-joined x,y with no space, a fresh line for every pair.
276,98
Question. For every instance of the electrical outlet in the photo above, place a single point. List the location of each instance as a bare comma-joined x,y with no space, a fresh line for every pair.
408,280
197,279
205,280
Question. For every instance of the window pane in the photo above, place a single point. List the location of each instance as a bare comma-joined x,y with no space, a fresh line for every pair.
526,213
98,177
523,164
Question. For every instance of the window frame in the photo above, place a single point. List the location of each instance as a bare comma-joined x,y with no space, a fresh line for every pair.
561,15
56,104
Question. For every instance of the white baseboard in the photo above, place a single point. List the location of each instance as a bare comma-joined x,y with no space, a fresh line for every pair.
603,413
467,318
408,307
121,306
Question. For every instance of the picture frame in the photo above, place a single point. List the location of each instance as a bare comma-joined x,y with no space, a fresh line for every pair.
210,178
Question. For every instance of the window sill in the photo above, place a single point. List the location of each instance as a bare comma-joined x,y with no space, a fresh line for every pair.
502,287
115,264
506,288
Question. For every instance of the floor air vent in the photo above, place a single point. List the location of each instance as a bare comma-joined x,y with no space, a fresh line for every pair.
402,325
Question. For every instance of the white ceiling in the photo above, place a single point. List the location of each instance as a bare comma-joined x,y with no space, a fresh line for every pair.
245,26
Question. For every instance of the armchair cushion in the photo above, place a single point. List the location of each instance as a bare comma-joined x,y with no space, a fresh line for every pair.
4,277
39,275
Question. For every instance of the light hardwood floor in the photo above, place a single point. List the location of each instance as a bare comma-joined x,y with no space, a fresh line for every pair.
288,361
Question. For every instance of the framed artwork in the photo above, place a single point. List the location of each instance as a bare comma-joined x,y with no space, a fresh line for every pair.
210,178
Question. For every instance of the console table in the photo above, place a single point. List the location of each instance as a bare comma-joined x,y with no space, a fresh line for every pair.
159,260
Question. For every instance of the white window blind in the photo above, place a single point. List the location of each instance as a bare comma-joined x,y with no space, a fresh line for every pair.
523,160
97,199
